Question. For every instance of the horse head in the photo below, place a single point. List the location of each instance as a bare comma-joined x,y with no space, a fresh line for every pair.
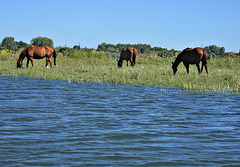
19,64
119,63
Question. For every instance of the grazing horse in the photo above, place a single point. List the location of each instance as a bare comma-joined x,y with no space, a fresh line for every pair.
191,56
128,54
37,52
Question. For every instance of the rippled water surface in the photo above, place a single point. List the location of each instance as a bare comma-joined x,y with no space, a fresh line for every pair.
53,123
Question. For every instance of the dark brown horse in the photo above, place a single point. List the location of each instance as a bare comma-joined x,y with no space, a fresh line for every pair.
191,56
128,54
37,52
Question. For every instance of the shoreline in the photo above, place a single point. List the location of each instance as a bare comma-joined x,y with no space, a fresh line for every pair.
220,78
162,89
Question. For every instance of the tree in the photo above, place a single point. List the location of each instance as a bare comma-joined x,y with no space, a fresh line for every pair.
222,51
64,50
76,47
214,49
9,43
42,41
207,49
102,47
157,48
21,45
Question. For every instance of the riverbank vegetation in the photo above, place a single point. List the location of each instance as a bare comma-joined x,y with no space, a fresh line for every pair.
96,66
153,66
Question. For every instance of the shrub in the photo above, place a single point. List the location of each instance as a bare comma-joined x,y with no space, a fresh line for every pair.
93,54
6,55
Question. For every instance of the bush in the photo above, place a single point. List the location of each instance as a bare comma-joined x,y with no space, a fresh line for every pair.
6,55
93,54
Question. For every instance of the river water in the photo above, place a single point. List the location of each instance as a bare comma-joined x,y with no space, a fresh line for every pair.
54,123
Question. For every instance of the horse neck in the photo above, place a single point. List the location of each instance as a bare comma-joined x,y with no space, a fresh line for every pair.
178,60
22,55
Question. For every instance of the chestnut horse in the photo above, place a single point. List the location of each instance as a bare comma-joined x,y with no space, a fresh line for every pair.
191,56
37,52
128,54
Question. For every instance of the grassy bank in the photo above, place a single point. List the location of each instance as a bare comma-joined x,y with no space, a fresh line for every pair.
224,74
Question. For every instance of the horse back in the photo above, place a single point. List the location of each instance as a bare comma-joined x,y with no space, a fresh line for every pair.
132,51
49,50
39,52
202,53
126,54
36,52
193,56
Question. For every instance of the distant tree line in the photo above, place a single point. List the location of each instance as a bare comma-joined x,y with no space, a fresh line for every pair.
141,48
212,50
9,43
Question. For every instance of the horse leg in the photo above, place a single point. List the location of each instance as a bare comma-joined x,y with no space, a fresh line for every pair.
132,64
199,71
27,62
127,62
50,62
206,68
31,58
187,67
47,61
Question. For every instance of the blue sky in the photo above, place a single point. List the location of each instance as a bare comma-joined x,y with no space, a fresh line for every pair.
164,23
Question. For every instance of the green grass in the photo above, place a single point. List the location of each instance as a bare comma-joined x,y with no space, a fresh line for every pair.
224,74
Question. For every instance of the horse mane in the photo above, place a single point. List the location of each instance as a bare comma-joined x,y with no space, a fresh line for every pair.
179,57
187,49
23,54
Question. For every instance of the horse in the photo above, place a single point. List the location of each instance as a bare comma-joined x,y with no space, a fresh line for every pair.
37,52
128,54
191,56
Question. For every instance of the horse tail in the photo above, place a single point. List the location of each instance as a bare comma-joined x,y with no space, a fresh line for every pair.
134,55
54,56
204,55
204,61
